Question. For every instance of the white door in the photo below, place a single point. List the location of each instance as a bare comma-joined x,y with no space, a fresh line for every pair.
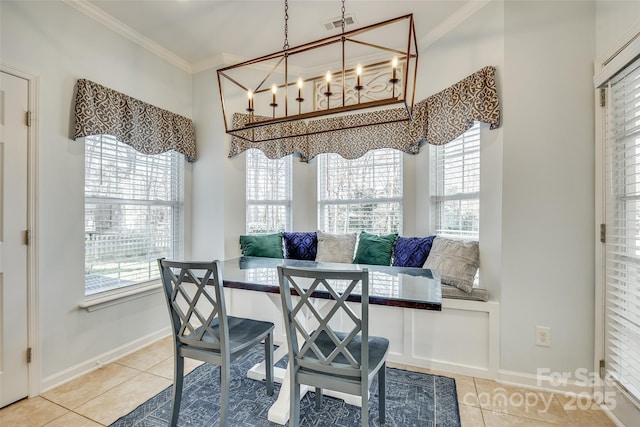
14,372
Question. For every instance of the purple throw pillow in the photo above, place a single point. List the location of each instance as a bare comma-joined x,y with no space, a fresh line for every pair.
301,245
412,251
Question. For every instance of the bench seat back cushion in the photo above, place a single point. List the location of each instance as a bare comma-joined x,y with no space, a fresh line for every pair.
412,251
457,261
300,245
375,249
336,247
262,245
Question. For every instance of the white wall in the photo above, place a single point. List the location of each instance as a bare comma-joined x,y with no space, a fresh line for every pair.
60,45
548,185
209,183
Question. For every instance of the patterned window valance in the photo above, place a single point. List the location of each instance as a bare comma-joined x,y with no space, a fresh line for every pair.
145,127
438,119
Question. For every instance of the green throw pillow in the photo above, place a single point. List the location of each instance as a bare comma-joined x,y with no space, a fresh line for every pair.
374,249
263,245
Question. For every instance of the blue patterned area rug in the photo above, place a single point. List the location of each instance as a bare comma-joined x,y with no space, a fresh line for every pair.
413,399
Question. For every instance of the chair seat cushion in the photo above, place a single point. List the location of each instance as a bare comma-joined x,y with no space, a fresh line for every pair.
246,332
378,348
243,333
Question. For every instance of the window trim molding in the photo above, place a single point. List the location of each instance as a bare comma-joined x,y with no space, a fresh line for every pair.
118,296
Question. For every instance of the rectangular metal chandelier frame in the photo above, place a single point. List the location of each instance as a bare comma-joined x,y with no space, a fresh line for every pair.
263,128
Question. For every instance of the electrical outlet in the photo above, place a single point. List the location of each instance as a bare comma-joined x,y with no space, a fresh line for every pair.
543,336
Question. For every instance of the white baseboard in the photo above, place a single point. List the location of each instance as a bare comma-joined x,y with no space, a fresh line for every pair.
94,363
543,383
612,416
441,366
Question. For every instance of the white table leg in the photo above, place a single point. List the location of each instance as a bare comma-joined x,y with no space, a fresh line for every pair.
258,372
279,411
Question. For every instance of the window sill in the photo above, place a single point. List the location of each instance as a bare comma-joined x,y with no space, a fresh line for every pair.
111,298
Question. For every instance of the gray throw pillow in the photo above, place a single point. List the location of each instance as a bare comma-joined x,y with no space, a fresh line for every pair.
456,260
336,247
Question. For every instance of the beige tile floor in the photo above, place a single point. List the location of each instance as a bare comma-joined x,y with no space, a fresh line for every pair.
102,396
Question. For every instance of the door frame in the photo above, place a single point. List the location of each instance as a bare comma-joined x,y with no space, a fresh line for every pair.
625,54
33,274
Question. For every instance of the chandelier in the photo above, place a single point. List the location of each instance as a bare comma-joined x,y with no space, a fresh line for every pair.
316,87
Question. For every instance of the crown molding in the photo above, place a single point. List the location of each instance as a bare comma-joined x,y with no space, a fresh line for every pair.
124,30
223,59
457,18
219,60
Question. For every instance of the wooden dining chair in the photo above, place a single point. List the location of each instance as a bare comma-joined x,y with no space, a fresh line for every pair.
344,361
203,331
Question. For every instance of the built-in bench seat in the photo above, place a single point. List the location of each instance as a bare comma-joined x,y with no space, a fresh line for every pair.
455,259
463,338
477,294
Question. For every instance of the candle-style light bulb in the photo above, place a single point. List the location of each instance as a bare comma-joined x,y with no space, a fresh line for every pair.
300,98
250,97
274,90
328,78
358,74
394,65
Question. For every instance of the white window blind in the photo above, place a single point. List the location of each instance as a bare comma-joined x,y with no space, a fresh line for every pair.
268,193
456,185
360,194
622,249
133,213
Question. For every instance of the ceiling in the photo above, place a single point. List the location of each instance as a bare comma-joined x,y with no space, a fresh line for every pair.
195,31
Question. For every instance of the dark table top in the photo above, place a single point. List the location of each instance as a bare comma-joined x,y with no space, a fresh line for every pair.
393,286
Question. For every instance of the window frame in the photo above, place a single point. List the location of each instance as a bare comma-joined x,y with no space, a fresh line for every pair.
286,202
469,146
175,202
324,202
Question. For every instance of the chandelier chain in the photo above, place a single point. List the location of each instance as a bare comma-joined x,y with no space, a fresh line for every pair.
343,21
286,25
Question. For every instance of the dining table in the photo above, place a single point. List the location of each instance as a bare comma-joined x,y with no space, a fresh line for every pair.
406,287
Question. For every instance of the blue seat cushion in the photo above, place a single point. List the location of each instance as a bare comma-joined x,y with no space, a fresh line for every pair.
378,348
242,333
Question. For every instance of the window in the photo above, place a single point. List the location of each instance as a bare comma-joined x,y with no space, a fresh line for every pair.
268,193
133,213
622,249
361,194
456,185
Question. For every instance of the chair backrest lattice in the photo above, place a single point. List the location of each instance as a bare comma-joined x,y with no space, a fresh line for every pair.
196,302
344,357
